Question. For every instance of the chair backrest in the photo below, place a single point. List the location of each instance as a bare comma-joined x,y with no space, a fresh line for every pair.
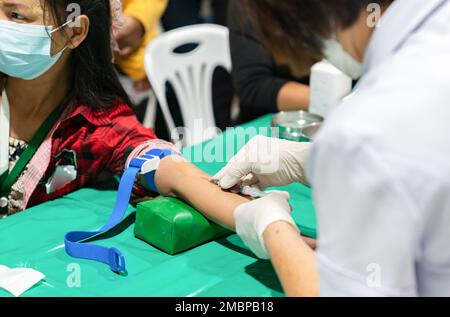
190,75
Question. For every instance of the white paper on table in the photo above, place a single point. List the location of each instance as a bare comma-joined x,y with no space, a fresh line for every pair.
17,281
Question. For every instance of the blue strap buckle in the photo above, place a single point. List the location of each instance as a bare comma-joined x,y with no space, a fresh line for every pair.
145,163
148,164
116,260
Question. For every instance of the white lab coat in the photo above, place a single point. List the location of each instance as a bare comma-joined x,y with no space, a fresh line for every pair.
380,166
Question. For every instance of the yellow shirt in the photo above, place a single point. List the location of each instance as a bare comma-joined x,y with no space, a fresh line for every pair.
149,13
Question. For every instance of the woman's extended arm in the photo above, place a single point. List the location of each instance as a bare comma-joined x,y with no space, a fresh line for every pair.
262,86
183,180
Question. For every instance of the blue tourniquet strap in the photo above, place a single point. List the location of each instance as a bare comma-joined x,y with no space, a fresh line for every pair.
111,256
150,177
114,258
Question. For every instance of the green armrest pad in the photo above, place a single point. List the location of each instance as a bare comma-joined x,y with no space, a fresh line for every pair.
173,226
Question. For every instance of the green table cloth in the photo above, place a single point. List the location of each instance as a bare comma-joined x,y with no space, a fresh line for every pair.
34,239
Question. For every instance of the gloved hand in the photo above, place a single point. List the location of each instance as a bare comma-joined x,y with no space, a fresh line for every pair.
253,218
265,162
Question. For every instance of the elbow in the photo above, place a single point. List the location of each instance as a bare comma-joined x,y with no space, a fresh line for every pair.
246,92
259,91
253,95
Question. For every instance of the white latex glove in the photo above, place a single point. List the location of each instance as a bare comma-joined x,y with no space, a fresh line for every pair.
265,162
253,218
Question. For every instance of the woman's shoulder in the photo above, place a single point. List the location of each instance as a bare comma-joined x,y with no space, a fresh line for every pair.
110,125
116,113
119,119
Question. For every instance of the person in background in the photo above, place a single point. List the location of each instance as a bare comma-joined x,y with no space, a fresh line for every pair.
263,83
140,27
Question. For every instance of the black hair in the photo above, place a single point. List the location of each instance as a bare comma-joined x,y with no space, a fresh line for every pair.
290,26
94,80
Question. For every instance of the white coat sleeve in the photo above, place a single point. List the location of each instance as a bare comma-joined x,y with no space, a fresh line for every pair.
366,219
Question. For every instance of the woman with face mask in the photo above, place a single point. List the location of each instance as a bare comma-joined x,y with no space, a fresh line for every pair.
379,166
65,121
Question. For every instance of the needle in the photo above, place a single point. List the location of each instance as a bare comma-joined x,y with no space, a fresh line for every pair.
245,190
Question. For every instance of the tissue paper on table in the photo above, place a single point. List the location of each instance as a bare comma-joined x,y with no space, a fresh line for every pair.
17,281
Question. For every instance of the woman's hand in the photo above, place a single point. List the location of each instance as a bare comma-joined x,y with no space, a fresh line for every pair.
266,162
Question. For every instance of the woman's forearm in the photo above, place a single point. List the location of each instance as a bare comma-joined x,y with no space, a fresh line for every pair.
185,181
293,96
293,259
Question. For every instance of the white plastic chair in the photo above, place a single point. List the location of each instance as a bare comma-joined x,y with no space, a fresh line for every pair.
191,76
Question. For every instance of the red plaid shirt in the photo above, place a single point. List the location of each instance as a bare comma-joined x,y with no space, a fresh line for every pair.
102,141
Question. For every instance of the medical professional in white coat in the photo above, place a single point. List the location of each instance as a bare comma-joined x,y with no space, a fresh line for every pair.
380,168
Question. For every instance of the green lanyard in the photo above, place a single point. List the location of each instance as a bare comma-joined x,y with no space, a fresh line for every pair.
7,180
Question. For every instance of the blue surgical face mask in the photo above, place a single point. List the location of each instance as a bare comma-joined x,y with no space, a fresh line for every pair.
25,49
